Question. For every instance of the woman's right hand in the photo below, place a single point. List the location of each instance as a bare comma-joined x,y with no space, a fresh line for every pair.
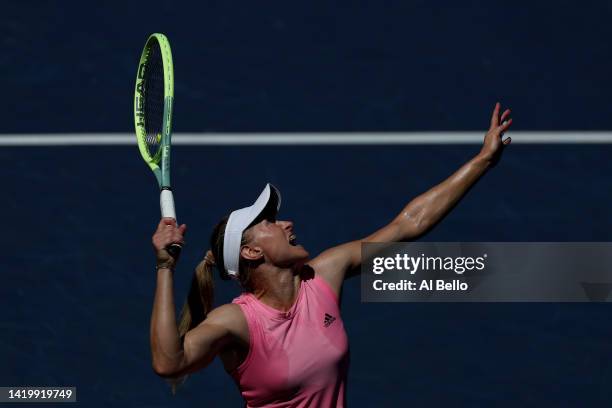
167,233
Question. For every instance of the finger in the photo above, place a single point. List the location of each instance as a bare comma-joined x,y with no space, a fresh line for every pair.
505,125
177,235
505,115
177,238
169,221
507,141
495,116
179,242
163,223
165,243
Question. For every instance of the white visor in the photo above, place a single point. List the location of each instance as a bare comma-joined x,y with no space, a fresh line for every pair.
240,220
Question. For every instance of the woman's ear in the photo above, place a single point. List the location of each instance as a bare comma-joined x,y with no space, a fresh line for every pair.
251,253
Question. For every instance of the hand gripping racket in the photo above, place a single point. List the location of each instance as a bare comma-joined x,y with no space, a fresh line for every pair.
153,97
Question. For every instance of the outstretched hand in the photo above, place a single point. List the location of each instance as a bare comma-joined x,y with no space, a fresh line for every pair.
167,233
493,145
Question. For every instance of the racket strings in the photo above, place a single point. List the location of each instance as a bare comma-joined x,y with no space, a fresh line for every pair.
154,98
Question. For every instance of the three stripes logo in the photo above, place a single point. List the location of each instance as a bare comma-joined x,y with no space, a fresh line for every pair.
329,319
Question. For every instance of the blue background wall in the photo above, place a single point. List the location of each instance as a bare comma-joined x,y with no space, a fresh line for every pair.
243,66
77,265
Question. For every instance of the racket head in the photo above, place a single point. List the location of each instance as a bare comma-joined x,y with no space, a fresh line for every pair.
153,99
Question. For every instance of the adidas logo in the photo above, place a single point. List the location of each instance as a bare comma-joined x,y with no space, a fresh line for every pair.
329,319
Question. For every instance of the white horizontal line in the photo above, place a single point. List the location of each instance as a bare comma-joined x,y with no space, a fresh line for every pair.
356,138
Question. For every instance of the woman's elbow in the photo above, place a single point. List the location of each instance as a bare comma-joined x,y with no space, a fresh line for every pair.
166,370
412,226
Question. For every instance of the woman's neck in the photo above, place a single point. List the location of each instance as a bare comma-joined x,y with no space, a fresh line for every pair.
277,287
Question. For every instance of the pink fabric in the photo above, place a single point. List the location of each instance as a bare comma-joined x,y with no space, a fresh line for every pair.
297,358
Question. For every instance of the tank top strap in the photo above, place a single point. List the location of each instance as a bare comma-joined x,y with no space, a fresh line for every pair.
322,285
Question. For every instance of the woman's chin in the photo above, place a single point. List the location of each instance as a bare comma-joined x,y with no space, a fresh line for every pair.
301,253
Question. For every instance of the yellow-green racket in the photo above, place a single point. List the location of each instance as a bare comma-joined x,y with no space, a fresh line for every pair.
153,99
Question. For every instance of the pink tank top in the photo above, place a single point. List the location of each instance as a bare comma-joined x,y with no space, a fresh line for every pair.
297,358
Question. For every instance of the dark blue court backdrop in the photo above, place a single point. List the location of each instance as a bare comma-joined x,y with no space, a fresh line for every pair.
77,267
311,66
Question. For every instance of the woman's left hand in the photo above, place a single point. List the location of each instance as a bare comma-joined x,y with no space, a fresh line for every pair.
493,145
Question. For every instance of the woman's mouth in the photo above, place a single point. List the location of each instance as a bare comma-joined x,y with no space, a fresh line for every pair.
292,240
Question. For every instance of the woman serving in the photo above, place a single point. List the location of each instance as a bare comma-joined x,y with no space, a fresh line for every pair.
282,340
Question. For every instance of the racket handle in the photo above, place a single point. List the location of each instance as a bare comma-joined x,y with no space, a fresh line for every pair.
166,201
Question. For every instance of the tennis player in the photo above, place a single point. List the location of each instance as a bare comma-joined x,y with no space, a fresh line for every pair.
282,340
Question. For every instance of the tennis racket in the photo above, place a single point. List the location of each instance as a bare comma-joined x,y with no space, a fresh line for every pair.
153,97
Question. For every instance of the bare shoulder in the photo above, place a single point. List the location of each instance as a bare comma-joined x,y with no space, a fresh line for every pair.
341,261
337,257
230,317
331,265
224,328
224,312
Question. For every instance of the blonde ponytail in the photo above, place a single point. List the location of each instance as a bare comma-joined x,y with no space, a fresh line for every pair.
199,301
197,305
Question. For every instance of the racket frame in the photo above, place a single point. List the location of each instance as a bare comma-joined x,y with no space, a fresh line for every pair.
160,162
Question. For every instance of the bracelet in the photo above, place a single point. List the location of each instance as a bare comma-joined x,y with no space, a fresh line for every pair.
167,265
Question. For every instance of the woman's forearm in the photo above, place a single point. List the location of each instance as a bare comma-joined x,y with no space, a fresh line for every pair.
167,353
426,210
429,208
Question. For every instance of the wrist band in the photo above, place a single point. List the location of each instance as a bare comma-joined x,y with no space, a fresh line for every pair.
165,266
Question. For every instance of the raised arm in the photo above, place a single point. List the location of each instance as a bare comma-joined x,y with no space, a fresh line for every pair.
423,212
172,357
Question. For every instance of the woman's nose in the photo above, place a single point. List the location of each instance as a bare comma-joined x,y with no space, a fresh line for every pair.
288,225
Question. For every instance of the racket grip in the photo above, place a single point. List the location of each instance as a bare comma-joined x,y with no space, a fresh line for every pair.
166,201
